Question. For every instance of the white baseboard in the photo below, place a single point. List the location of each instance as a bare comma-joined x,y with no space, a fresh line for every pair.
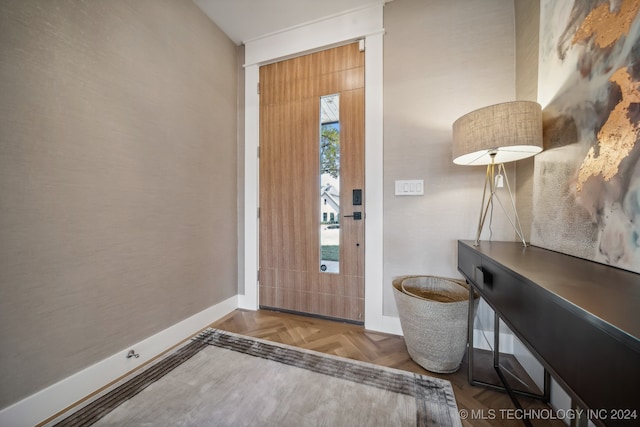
53,399
531,365
480,339
247,303
560,400
391,325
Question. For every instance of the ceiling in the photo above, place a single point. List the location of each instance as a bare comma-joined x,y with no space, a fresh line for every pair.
244,20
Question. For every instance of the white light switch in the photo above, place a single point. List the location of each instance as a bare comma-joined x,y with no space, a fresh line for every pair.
410,187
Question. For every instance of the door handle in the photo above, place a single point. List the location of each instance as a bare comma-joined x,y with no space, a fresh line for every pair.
356,216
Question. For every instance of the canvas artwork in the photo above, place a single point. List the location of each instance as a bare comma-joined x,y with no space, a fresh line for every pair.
587,181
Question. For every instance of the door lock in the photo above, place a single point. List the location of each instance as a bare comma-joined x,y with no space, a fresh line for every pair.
356,197
356,216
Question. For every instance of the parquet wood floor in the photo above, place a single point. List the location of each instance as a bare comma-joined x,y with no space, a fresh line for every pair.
491,408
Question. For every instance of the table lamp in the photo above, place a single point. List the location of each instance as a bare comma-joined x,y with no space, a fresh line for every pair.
495,135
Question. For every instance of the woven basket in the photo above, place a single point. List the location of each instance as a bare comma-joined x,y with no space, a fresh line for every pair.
433,315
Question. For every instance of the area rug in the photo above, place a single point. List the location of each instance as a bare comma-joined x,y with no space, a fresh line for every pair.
224,379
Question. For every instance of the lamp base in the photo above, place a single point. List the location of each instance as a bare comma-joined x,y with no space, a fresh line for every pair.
490,185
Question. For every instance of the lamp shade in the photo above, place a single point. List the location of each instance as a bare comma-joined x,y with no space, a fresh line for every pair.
507,132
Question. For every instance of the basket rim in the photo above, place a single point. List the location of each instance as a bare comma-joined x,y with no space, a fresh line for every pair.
463,284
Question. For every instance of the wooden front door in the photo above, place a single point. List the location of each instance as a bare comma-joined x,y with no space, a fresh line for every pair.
312,184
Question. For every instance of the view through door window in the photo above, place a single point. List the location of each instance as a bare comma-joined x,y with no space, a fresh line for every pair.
330,183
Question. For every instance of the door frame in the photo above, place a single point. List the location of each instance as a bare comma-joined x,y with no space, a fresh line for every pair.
365,23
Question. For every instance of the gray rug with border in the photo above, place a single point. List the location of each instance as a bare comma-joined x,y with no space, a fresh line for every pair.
225,379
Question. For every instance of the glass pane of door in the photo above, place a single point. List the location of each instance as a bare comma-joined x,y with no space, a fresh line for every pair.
330,183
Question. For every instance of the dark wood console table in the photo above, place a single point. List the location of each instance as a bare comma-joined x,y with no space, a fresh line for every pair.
579,318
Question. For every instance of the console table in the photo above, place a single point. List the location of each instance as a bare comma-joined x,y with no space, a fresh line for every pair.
579,318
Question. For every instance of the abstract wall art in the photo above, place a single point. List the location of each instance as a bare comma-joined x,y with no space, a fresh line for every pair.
587,181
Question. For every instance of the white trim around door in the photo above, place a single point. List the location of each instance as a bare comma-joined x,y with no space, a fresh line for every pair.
359,24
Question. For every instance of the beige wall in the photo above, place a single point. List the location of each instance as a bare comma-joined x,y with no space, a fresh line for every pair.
527,39
118,177
442,59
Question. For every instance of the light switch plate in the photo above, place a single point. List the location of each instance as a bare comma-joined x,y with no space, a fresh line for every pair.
410,187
